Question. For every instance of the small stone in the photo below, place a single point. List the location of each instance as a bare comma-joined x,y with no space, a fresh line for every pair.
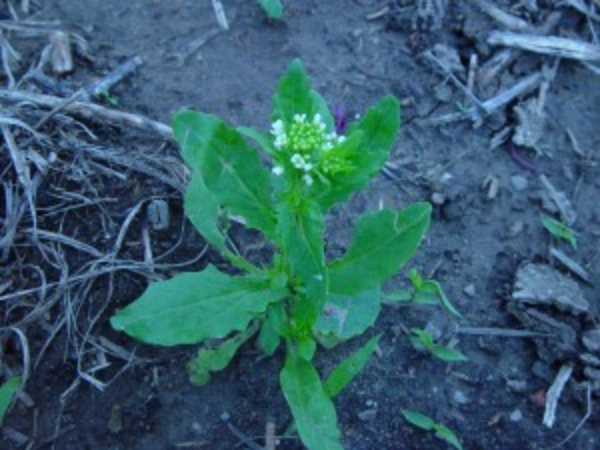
460,398
438,198
446,177
516,416
225,417
368,415
470,290
115,420
158,214
519,183
591,340
516,228
518,386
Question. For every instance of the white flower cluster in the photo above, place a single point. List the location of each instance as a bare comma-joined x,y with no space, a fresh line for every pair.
304,142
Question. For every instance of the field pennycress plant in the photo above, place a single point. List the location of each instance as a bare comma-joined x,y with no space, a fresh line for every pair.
298,298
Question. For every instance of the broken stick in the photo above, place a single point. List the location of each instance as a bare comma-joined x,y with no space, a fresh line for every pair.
547,45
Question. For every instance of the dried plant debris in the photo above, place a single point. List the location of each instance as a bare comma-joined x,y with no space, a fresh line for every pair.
547,301
539,284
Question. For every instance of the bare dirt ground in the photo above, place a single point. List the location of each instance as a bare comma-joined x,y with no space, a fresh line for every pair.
491,169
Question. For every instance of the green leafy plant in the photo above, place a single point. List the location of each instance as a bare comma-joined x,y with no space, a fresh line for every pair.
422,340
273,8
7,392
559,230
425,292
426,423
298,297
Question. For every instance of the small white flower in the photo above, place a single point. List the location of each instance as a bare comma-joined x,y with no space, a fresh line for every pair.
327,146
307,179
277,170
307,167
341,139
280,141
300,118
317,119
277,128
297,161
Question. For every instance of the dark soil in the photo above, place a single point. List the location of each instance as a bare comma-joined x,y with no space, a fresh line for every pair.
474,247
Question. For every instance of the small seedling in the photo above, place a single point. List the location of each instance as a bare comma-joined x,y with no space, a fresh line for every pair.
273,8
424,292
7,392
296,297
426,423
422,340
560,231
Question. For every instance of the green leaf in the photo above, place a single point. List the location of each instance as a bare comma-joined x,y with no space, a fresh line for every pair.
447,354
273,328
7,392
193,132
560,231
311,407
382,243
295,96
419,420
377,130
214,359
192,307
350,368
230,169
421,339
446,434
301,233
203,211
430,292
399,296
306,347
262,139
272,8
345,317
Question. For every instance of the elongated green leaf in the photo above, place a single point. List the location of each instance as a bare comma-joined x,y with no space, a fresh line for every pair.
273,8
350,368
446,434
203,211
447,354
230,169
378,130
295,96
420,420
301,233
382,243
311,407
346,317
559,230
399,296
7,392
192,307
214,359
